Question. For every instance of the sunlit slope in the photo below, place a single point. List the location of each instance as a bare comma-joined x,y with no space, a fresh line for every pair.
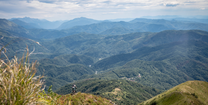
75,99
188,93
122,92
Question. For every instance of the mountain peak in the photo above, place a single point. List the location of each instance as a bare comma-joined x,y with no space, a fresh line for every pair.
77,22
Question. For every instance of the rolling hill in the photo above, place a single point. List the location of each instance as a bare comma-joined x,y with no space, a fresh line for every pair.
162,66
94,45
14,29
45,34
163,59
83,99
63,69
67,73
121,92
16,46
190,92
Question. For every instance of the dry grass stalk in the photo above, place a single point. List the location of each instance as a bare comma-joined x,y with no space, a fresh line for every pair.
17,83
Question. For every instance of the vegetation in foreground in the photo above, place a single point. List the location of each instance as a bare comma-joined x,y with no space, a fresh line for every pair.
72,99
20,86
188,93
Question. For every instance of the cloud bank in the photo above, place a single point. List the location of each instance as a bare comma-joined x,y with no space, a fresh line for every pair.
99,9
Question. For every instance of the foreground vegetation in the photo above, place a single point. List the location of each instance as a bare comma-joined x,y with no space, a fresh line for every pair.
72,99
20,86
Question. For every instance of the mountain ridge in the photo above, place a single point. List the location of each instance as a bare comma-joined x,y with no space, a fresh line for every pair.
77,22
190,92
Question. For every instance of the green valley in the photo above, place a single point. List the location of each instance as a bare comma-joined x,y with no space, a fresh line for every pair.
125,62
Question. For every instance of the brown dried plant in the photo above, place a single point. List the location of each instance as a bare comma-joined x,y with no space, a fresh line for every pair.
18,83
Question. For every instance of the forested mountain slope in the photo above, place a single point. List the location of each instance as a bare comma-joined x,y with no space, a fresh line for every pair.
94,45
163,59
14,29
16,46
162,66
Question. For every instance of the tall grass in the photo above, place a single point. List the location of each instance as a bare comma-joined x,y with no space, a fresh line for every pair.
18,84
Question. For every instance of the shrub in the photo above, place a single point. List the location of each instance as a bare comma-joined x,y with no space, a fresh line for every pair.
18,86
193,94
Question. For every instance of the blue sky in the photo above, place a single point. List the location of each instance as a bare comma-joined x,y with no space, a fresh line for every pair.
100,9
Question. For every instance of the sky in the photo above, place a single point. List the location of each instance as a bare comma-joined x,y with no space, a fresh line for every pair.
99,9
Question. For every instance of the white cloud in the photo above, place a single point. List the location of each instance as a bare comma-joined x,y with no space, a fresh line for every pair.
68,9
203,8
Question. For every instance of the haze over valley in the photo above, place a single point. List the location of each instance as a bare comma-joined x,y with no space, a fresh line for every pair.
155,53
116,52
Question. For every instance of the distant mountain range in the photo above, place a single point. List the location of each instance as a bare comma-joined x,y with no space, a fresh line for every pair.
137,25
144,25
28,23
77,22
25,24
155,53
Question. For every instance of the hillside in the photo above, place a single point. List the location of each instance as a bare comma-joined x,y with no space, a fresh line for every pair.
67,73
95,46
17,46
121,92
14,29
137,25
8,25
170,36
190,92
41,23
100,28
162,66
45,34
163,59
117,31
98,46
24,24
60,70
64,60
175,24
83,99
